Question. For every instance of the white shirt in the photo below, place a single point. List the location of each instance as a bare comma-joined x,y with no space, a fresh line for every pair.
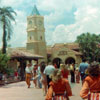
49,69
38,70
29,69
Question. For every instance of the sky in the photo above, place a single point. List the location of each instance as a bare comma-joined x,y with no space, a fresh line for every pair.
64,20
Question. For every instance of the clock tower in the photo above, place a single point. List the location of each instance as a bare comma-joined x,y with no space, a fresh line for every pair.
36,34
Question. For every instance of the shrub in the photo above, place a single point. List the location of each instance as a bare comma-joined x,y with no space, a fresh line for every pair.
3,63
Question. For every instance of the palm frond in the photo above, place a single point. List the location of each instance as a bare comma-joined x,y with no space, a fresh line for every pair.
9,28
6,16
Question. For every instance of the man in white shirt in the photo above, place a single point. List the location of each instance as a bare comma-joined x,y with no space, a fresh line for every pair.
28,70
48,71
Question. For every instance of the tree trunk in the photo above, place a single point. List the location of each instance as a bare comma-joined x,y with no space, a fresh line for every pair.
4,39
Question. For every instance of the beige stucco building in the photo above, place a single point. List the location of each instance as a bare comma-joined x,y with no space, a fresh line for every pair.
36,34
36,44
67,53
62,52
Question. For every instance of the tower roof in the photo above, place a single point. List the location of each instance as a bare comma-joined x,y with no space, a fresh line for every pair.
35,11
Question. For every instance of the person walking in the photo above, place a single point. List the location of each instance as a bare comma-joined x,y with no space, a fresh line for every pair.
72,72
43,78
91,85
64,71
28,71
55,65
59,87
39,77
77,74
48,71
82,69
35,76
15,75
19,72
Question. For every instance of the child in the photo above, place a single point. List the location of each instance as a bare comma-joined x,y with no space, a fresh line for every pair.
77,75
59,87
64,71
16,75
91,85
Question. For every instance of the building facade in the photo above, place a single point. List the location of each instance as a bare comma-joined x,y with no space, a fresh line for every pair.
62,52
66,53
36,44
36,34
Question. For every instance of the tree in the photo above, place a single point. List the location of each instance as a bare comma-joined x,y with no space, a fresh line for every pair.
89,46
3,62
6,16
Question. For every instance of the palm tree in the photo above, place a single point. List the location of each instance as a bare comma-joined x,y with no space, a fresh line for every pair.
6,16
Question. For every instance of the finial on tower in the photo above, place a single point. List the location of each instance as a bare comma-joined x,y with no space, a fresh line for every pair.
35,11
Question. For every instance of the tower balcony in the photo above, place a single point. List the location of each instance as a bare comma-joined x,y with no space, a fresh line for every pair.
31,29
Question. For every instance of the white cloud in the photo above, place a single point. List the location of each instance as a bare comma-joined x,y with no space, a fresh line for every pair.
12,3
55,5
20,33
87,19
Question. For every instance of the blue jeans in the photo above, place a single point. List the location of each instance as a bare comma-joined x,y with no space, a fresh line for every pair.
39,83
83,76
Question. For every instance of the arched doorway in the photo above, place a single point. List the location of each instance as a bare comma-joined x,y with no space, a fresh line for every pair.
70,60
57,61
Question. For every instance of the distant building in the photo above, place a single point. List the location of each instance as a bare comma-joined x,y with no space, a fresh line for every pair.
67,53
35,34
61,52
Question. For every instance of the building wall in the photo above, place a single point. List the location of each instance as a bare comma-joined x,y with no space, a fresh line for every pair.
36,36
36,41
13,64
65,53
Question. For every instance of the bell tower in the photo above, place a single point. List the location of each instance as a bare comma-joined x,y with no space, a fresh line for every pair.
36,34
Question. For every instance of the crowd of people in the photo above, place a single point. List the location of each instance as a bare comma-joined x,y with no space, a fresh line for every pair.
55,81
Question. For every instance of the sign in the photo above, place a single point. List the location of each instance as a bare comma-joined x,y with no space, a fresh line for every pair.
62,53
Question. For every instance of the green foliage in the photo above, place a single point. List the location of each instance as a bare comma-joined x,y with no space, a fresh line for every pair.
3,63
89,46
6,16
9,71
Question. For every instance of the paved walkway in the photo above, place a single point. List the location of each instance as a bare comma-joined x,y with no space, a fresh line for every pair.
76,91
19,91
